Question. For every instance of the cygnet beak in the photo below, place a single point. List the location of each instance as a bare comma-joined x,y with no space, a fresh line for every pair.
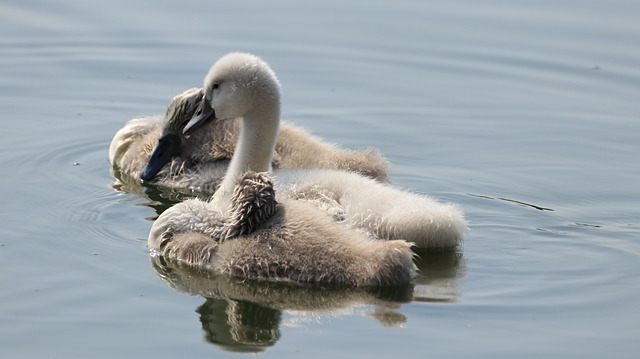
203,114
168,147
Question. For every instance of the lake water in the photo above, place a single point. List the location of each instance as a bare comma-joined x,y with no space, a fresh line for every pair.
525,113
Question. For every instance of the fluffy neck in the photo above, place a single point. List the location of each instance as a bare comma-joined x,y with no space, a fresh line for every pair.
253,152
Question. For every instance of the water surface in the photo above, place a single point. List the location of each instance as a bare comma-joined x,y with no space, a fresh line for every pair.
525,113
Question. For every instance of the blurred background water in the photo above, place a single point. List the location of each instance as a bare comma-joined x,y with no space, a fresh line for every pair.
525,113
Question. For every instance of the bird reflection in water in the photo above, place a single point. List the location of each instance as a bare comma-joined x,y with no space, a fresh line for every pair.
242,315
239,326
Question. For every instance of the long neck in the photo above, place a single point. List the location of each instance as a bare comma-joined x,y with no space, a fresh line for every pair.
253,152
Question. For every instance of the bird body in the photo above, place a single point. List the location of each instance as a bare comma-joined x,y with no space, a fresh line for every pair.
309,226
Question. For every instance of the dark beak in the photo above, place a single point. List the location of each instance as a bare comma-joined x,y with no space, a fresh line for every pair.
168,147
203,114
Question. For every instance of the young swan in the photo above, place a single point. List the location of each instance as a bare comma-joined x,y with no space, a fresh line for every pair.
259,238
154,149
242,86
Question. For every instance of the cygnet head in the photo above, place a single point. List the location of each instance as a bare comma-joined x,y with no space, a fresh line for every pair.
180,110
238,85
169,145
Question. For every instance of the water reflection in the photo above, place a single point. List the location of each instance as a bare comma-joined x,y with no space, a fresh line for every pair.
160,198
439,274
245,315
239,326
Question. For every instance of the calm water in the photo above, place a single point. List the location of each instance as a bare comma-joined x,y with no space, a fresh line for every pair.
526,113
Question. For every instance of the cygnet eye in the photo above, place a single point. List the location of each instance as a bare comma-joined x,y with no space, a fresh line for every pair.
216,86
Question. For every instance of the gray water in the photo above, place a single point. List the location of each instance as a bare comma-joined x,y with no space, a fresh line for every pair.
525,113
